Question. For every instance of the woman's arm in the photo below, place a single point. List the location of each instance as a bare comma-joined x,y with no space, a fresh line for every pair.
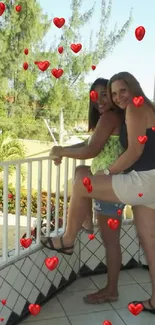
77,145
136,126
105,126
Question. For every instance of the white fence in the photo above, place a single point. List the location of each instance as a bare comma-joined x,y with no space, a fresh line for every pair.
18,250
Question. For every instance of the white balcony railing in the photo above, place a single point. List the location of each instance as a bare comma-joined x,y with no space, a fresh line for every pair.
47,173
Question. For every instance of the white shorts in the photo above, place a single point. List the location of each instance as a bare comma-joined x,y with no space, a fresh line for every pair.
128,186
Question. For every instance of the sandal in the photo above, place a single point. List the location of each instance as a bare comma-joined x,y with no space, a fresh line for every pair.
151,310
98,298
87,231
63,249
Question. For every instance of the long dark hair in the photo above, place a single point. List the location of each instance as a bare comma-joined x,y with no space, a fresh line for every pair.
93,113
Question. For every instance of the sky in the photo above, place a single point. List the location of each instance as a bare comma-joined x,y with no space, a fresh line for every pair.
136,57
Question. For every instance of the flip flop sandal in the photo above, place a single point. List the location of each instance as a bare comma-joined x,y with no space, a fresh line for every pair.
98,298
152,310
63,249
87,231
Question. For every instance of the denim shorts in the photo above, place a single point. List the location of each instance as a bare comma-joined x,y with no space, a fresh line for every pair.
108,208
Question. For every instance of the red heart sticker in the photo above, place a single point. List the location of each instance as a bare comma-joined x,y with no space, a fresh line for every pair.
34,309
107,322
76,47
135,309
3,301
60,49
10,196
57,73
2,319
25,65
119,212
26,51
52,262
93,67
138,101
43,65
86,181
2,8
94,95
153,128
89,188
26,242
18,8
91,236
113,223
140,33
140,194
58,22
142,139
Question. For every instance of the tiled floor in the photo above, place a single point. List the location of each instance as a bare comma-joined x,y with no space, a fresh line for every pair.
68,308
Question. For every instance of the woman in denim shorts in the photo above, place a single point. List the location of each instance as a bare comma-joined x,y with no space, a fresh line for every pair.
104,146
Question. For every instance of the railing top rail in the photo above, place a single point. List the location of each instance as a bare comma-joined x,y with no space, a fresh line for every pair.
23,161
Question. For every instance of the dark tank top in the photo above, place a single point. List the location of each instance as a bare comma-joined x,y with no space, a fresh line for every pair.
147,159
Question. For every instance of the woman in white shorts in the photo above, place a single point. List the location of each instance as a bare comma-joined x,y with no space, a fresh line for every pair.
129,180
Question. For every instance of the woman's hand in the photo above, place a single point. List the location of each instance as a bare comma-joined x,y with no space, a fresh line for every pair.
57,161
56,152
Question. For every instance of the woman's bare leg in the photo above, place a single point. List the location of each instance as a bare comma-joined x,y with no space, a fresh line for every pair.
111,240
145,224
80,203
80,172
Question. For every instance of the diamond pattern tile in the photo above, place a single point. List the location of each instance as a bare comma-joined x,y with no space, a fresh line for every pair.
29,281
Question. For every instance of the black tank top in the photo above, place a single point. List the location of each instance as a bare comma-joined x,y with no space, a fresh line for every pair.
147,159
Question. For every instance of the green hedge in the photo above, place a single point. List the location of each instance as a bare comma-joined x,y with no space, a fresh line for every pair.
23,202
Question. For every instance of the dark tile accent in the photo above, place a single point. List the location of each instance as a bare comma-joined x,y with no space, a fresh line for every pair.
40,299
13,319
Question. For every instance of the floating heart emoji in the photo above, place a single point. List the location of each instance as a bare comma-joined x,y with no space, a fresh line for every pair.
10,196
107,322
153,128
25,65
94,95
57,73
18,8
26,51
86,181
76,47
2,8
91,236
26,242
58,22
60,49
138,101
113,223
34,309
140,194
119,212
135,309
142,139
3,301
93,67
43,65
1,319
140,33
52,262
89,188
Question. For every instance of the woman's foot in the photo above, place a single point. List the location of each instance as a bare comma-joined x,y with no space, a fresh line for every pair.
58,244
148,305
101,296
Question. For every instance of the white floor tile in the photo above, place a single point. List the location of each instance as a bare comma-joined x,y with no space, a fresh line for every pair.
147,287
129,293
52,309
54,321
140,275
81,285
73,303
96,318
141,319
124,279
